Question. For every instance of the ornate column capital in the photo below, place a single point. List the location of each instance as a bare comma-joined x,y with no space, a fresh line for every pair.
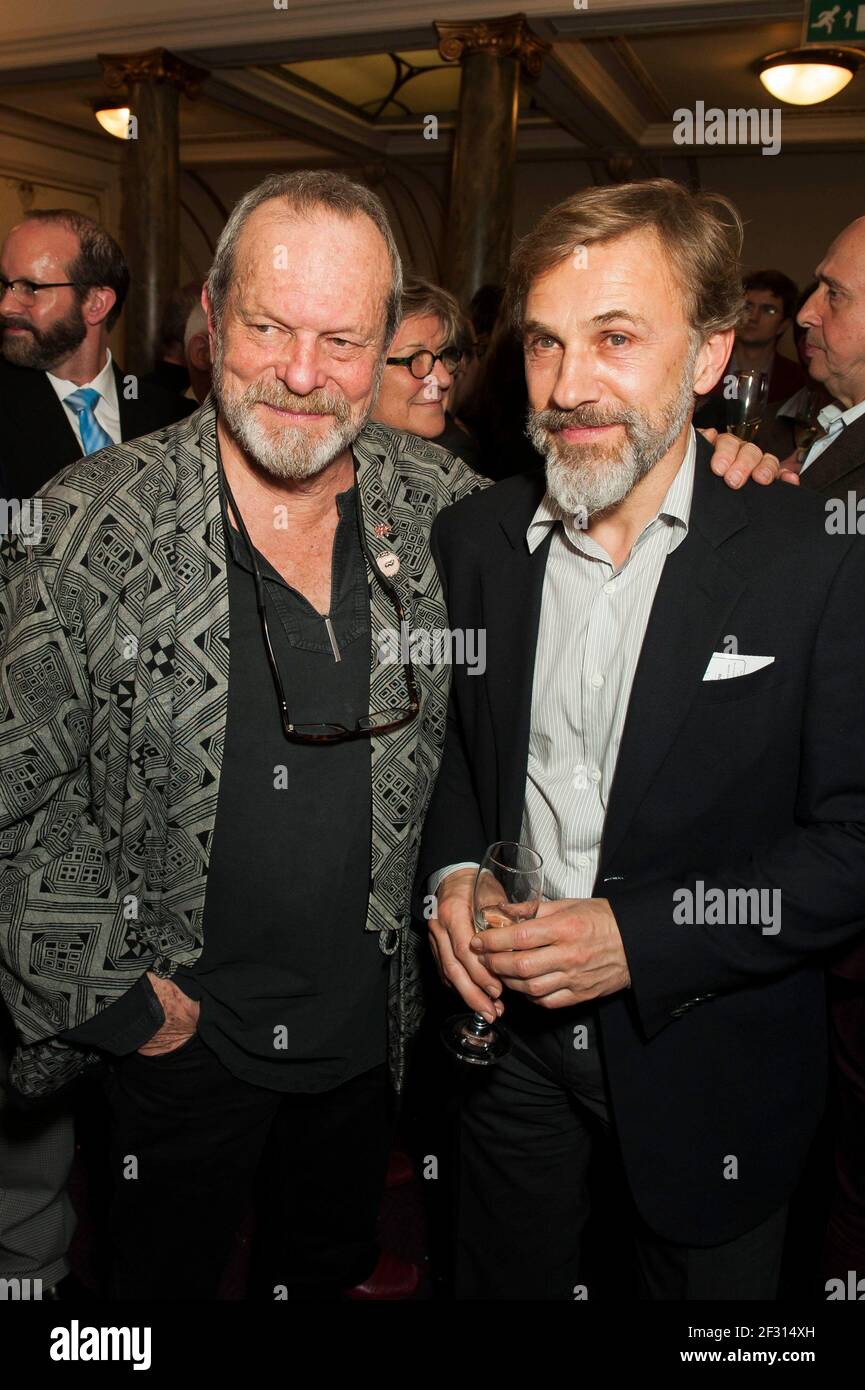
509,37
155,65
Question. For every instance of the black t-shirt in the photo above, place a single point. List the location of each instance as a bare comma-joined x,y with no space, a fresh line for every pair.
293,990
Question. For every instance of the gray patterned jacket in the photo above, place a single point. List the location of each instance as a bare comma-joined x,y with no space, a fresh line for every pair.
113,703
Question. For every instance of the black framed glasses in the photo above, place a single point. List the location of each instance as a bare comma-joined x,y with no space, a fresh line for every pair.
421,363
329,731
25,290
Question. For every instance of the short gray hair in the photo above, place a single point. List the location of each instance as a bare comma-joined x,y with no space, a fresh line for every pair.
421,297
302,192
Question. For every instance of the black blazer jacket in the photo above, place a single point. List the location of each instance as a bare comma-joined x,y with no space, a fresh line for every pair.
839,470
36,435
716,1055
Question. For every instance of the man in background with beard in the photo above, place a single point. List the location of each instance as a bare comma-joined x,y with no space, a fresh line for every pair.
63,281
685,749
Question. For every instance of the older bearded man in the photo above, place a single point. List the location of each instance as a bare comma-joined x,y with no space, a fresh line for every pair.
210,845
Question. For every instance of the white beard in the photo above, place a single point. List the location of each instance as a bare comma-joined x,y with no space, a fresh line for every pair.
290,453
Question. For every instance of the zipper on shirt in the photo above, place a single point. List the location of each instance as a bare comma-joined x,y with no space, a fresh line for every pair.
332,635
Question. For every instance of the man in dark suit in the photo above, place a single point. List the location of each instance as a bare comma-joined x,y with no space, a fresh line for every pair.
686,750
63,281
834,467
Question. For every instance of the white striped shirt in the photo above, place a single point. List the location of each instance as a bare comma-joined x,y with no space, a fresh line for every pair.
592,624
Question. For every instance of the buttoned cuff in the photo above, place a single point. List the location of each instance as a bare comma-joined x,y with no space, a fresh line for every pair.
125,1025
432,884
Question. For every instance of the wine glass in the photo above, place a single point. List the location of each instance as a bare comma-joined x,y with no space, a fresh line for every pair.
806,426
746,406
507,890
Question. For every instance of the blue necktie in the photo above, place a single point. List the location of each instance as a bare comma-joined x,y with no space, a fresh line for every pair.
93,436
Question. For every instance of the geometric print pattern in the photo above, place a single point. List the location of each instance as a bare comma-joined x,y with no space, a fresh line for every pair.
113,699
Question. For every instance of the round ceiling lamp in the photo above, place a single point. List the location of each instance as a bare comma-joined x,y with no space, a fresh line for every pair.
807,76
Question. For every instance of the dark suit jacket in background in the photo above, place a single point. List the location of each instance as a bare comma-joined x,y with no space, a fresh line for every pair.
841,469
37,438
719,1047
785,378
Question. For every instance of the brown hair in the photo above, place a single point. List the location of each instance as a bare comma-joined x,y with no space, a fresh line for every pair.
777,283
700,232
99,262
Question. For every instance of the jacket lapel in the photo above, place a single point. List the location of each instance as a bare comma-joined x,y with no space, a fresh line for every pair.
389,527
45,438
846,455
511,594
697,591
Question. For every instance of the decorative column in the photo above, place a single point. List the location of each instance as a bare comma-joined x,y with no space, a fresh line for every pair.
492,53
151,188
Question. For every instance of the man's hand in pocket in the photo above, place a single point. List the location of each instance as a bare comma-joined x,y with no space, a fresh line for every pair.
181,1018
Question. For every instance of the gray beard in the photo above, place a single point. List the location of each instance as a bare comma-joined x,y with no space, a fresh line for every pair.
291,454
585,480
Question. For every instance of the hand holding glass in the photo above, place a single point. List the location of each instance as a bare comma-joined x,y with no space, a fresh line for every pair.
507,890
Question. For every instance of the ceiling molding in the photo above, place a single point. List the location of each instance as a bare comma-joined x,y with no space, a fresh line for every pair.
536,136
799,130
44,35
25,126
263,94
557,94
640,74
46,174
595,83
201,152
643,17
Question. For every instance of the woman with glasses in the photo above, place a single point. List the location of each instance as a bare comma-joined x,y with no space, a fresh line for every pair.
421,368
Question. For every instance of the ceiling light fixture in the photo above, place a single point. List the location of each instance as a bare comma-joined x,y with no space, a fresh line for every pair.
114,119
806,76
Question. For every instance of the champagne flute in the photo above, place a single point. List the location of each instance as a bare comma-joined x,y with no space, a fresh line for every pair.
507,890
746,407
806,426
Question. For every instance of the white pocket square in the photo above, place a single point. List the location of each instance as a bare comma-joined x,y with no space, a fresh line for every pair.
725,666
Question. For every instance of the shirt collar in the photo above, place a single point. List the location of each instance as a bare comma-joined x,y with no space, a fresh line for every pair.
833,418
100,382
674,509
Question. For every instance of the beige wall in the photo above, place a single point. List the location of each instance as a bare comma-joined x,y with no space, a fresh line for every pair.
44,166
792,204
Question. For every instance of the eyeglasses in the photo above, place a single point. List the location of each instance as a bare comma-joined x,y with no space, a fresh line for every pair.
25,290
421,363
384,722
770,310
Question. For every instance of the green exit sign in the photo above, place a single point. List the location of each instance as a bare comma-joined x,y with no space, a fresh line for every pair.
834,21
